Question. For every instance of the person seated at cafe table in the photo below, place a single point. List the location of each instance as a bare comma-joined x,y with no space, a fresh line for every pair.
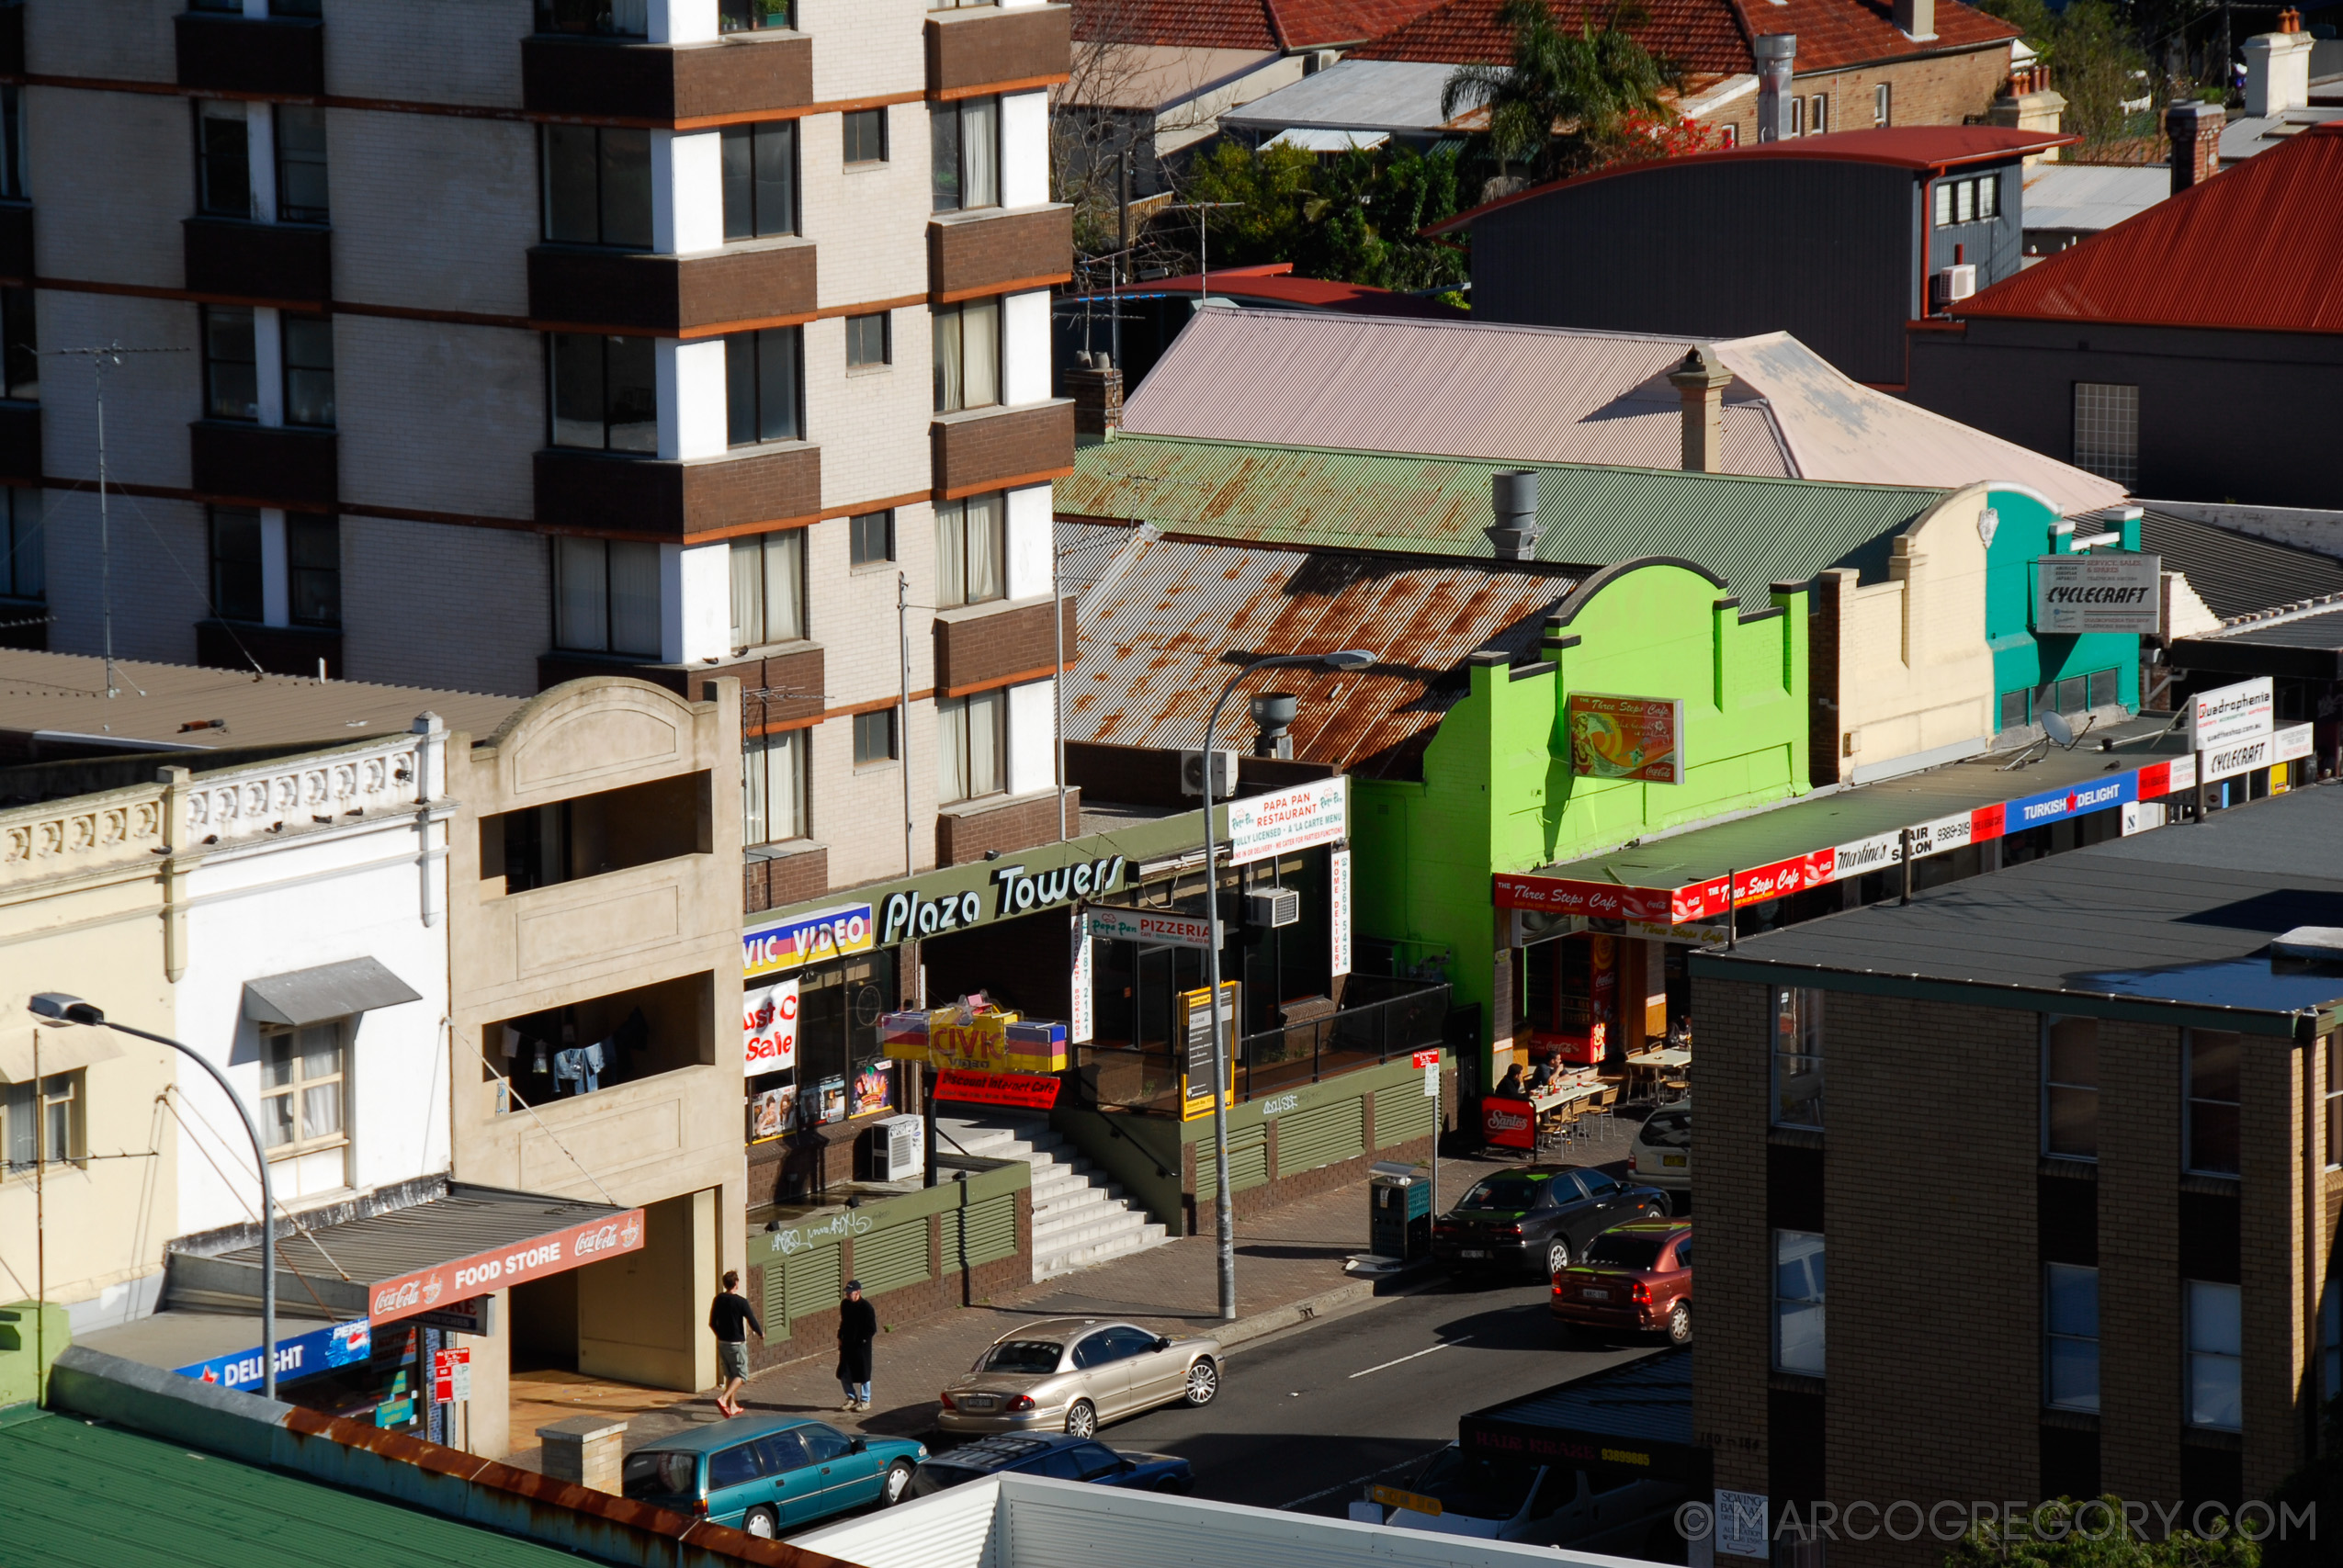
1548,1069
1510,1086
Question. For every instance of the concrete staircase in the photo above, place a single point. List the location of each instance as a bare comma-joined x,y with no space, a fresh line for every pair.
1079,1216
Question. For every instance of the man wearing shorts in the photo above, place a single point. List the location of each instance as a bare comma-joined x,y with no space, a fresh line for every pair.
730,1317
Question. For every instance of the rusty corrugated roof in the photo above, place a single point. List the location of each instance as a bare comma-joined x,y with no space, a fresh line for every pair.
1158,623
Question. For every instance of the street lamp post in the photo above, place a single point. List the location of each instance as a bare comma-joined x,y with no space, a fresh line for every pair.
56,1007
1348,659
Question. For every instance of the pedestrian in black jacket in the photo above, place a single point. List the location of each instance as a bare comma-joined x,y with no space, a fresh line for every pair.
730,1317
858,1326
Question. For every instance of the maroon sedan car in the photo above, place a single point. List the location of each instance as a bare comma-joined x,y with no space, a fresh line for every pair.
1635,1279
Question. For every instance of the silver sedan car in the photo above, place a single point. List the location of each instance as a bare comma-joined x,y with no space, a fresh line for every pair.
1068,1374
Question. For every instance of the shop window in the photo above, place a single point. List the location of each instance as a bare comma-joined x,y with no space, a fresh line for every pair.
773,788
300,1092
769,590
2215,1060
841,1071
591,835
760,179
2216,1350
2070,1088
2070,1336
1797,1057
41,1123
1798,1302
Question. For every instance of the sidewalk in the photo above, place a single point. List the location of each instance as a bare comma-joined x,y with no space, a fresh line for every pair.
1289,1269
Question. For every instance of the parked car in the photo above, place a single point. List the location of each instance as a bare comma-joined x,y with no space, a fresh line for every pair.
1550,1505
1536,1218
1661,1155
1637,1279
765,1474
1068,1374
1053,1454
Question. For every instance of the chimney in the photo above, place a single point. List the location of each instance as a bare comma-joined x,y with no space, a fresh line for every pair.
2194,130
1513,497
1096,386
1273,718
1776,54
1916,17
2278,69
1701,381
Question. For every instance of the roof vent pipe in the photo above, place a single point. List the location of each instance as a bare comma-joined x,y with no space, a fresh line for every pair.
1513,497
1777,54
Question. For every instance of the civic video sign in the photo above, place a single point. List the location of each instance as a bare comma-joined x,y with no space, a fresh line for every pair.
1627,737
806,939
2098,593
2227,715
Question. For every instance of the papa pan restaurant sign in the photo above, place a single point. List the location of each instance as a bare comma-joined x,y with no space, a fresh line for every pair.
1261,825
2098,593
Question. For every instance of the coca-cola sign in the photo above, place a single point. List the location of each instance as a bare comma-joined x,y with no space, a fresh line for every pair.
553,1253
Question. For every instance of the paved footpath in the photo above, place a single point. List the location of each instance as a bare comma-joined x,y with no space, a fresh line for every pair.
1289,1272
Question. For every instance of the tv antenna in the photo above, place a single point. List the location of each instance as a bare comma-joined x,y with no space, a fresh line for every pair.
99,358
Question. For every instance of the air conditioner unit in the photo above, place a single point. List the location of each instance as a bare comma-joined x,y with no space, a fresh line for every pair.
1224,773
1956,283
1273,907
892,1149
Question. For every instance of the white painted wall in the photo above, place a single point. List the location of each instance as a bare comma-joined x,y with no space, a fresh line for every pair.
373,885
686,191
1033,738
276,570
1025,346
1029,541
269,364
1024,149
696,615
691,398
679,21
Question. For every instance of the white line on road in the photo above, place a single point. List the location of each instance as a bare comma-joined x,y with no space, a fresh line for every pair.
1465,1339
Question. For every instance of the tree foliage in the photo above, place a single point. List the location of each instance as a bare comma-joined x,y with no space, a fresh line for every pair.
1570,101
2317,1485
2093,1534
1356,218
2093,61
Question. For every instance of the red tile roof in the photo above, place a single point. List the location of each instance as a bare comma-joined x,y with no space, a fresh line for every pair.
1701,35
1242,24
2238,251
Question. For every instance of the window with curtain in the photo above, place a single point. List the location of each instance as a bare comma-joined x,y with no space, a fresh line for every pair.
773,788
309,370
2070,1336
606,596
967,354
301,1095
972,746
231,366
236,579
21,572
971,550
1798,1302
223,160
2215,1060
20,341
597,185
760,179
2070,1088
314,569
1797,1057
764,380
2216,1356
40,1123
605,392
768,589
965,158
300,163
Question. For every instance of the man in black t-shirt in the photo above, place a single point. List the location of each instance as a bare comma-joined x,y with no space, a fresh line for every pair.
730,1317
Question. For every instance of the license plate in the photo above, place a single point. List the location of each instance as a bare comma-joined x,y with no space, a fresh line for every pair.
979,1400
1671,1159
1475,1252
1393,1497
1595,1295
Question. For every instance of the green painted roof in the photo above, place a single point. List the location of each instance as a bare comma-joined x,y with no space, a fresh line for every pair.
75,1496
1750,530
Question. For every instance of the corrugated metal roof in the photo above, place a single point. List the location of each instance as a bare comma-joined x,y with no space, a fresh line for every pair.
1157,624
2237,574
1752,532
81,1494
2091,195
2322,631
382,1246
1558,395
2236,252
1355,94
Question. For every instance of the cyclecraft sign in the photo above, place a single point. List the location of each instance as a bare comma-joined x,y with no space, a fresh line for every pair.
2098,593
1015,891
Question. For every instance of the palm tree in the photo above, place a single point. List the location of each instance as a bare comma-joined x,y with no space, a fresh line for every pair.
1566,102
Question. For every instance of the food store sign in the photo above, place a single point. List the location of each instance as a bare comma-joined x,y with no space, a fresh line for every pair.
569,1248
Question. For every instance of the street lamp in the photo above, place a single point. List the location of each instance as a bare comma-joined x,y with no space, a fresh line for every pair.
58,1008
1348,659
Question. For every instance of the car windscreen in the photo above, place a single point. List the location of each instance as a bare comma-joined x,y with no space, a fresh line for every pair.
1628,1249
1034,1357
933,1477
1669,1130
1473,1487
657,1473
1505,1193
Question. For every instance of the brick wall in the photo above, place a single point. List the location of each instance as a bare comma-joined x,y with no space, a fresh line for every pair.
131,42
1730,1375
432,212
991,253
2139,1263
428,604
1929,90
441,51
438,417
865,49
161,555
2280,1329
149,398
122,226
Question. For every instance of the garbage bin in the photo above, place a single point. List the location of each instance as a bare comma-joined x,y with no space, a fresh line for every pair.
1399,1211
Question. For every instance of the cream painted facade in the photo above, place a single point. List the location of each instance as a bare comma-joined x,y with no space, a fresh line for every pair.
1915,671
661,933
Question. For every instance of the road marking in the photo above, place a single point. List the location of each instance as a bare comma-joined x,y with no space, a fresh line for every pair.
1346,1485
1467,1339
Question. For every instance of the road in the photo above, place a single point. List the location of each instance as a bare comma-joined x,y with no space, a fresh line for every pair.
1306,1419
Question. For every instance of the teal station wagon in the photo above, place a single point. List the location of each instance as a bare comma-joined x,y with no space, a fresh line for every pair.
767,1474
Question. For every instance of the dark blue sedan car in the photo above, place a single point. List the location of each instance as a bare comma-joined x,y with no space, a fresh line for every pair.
1055,1455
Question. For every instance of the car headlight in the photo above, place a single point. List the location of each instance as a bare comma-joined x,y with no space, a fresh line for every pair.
922,1451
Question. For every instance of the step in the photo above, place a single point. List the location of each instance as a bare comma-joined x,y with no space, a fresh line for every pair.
1083,1239
1081,1216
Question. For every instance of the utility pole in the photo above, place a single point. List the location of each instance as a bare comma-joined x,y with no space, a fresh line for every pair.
99,358
1203,242
1123,249
903,713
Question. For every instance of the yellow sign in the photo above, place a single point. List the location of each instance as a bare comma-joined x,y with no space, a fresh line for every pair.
1414,1502
1196,1034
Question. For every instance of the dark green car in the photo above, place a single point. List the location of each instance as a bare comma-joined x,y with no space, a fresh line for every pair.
766,1474
1537,1218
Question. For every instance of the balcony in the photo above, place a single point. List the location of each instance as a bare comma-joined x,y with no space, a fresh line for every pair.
576,285
265,263
609,79
21,441
965,831
15,239
775,877
260,465
272,56
280,650
993,645
982,49
998,250
601,491
999,447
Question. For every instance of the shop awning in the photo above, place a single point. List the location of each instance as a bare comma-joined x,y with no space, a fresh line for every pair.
330,990
1697,875
62,1051
425,1257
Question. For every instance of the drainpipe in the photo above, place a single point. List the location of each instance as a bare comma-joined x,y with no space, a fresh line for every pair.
903,711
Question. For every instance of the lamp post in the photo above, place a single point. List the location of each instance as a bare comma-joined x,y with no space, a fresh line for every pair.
1348,659
59,1007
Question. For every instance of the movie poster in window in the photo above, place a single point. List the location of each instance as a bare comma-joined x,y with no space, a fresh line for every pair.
769,1111
873,1089
1627,737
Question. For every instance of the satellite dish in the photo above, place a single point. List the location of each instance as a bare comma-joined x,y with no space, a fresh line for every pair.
2058,729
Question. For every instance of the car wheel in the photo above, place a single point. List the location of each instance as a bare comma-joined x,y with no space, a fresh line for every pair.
1558,1255
1204,1384
1083,1419
898,1480
1680,1323
762,1524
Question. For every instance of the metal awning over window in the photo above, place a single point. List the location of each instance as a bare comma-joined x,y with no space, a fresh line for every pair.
330,990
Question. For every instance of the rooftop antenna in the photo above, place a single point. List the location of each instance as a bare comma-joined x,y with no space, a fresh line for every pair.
1203,242
99,358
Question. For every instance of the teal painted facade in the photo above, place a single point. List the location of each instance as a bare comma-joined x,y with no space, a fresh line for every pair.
2030,528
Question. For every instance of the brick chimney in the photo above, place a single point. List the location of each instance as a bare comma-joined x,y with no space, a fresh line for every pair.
1096,386
1701,381
1916,18
1777,55
2194,130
